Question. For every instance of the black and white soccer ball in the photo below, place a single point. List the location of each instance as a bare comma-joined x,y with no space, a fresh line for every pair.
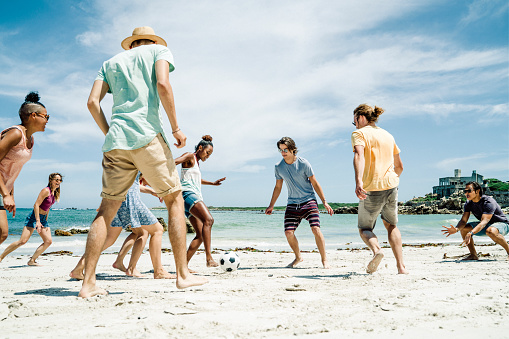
229,261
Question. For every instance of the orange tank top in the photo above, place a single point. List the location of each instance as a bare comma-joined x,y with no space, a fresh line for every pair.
11,164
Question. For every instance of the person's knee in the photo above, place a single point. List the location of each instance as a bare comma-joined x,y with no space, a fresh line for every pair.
492,231
208,222
48,242
3,237
316,230
22,241
290,233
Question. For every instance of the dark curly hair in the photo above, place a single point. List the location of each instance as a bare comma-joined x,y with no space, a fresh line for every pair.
31,105
205,141
289,143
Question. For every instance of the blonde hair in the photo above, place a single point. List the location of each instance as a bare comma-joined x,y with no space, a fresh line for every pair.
369,112
57,191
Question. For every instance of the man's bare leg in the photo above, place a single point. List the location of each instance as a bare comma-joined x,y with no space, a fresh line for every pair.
154,247
177,234
371,241
111,237
320,243
95,243
294,245
471,248
394,236
498,238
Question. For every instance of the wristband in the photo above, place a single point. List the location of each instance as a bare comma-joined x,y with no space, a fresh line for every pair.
175,131
471,233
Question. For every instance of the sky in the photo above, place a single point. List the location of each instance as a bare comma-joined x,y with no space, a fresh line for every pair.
250,72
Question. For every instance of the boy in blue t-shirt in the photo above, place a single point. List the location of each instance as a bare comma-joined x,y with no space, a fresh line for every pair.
302,185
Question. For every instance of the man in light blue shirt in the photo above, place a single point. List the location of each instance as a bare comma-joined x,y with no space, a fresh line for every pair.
137,78
302,184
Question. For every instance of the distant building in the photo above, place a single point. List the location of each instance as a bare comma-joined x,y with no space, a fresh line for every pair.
450,185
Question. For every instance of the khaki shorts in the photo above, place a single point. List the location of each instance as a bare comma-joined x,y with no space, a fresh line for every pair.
384,202
154,161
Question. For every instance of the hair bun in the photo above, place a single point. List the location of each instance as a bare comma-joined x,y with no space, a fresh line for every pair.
32,97
207,137
378,111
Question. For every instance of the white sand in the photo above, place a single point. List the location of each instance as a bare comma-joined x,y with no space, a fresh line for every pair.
440,298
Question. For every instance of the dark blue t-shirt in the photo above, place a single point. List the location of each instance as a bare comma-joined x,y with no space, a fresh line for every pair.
487,205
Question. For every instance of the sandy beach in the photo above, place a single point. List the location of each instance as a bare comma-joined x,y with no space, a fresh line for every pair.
442,298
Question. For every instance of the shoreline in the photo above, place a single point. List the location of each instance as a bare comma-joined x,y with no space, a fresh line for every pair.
263,299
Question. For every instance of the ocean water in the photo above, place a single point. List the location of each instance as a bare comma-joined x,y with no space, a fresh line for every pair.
238,229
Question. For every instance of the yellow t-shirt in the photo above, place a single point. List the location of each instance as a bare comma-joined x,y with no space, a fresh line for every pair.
379,150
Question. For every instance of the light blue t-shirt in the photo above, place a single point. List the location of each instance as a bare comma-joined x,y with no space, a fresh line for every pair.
297,181
131,76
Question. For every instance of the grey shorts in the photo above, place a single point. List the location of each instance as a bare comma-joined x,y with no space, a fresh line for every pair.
502,228
384,202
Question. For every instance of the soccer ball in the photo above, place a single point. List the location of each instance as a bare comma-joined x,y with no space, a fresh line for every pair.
229,261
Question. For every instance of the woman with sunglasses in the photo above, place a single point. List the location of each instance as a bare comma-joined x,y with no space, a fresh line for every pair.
38,219
195,209
16,144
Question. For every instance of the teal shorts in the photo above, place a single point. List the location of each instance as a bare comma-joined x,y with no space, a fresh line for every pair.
502,228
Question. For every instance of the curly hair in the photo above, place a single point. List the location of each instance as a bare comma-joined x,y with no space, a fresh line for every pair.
31,105
205,141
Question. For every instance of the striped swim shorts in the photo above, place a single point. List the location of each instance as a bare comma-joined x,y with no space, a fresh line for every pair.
296,212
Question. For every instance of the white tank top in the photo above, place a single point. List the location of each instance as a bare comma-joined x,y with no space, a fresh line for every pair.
190,178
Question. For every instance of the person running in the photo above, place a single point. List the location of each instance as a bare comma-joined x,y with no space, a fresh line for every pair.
16,145
135,140
492,221
195,209
377,166
302,185
38,220
143,223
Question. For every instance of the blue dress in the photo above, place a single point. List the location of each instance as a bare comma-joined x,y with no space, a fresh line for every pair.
133,211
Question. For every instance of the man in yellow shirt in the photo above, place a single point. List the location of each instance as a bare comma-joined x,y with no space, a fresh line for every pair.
377,166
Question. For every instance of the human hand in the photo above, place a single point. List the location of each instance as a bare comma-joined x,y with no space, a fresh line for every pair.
360,192
329,209
218,181
449,230
10,205
468,237
180,137
38,227
269,210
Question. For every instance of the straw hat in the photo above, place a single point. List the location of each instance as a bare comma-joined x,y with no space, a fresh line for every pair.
139,33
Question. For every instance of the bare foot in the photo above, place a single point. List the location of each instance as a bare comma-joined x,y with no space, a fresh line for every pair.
77,274
91,291
295,262
212,263
471,257
162,274
192,271
32,263
190,280
402,270
325,264
373,264
119,266
134,273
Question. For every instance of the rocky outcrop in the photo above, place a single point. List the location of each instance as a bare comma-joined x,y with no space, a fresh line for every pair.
62,233
346,210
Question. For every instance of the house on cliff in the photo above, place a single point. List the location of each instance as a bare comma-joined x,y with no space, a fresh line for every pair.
450,185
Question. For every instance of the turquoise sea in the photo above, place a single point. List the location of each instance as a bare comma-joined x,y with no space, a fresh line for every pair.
234,229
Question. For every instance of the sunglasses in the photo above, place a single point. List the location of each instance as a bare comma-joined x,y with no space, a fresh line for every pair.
466,190
45,116
283,150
